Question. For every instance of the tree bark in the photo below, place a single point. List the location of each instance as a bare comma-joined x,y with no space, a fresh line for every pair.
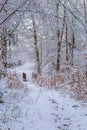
59,36
4,54
67,55
36,48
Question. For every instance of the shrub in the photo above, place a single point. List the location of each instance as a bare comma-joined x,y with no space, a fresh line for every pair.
13,81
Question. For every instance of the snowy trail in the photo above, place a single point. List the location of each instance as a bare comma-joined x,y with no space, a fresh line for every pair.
51,111
42,109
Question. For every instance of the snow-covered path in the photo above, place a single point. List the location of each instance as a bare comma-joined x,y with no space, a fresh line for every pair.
49,110
42,109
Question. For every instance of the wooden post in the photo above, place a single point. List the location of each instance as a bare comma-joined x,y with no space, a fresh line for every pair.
24,76
34,75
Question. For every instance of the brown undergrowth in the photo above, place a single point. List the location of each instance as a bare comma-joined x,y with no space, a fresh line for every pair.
66,80
13,81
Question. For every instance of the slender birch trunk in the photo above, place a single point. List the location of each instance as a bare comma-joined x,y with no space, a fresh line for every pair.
85,13
59,36
36,47
4,54
67,55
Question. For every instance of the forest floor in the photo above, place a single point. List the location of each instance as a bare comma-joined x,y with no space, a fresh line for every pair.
39,108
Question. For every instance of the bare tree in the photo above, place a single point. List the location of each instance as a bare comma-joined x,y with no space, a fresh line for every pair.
36,46
8,25
59,36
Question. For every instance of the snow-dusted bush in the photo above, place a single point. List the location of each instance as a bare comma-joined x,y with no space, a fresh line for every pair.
68,79
77,86
49,81
14,81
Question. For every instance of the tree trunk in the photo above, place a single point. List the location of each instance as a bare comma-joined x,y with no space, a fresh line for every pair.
36,48
67,57
58,55
4,54
72,49
59,36
84,4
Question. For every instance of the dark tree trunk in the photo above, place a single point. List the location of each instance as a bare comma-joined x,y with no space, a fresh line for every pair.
36,48
4,55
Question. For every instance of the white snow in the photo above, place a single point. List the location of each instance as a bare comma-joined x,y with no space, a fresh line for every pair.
40,108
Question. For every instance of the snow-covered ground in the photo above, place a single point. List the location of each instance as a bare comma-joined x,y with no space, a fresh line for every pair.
39,108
